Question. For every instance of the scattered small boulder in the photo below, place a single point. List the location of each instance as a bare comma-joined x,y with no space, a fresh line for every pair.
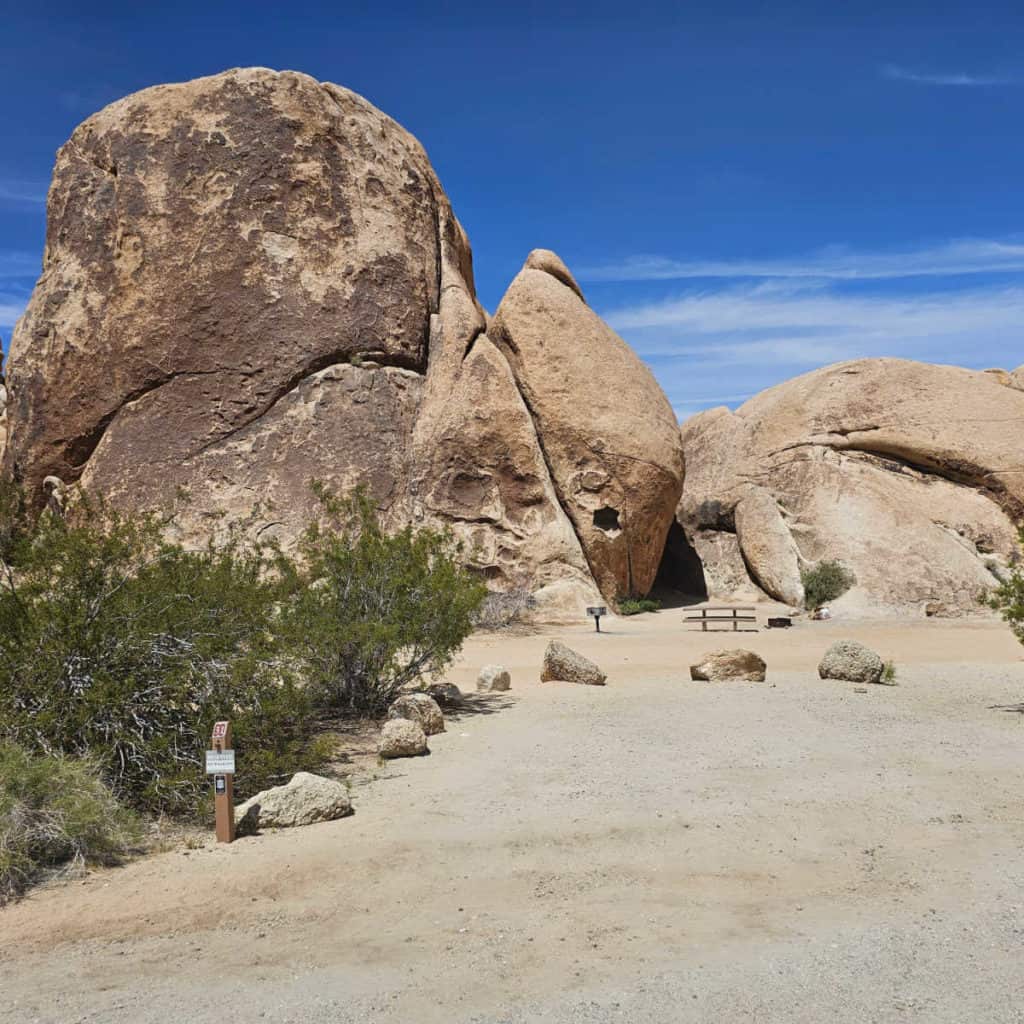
448,695
402,737
304,800
419,707
564,664
852,662
735,664
492,679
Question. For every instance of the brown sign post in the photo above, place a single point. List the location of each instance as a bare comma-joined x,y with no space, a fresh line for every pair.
220,763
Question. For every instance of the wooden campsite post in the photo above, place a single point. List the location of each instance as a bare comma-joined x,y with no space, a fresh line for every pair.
220,763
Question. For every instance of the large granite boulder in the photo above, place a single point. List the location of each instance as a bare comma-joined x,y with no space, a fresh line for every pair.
255,279
608,432
221,255
909,474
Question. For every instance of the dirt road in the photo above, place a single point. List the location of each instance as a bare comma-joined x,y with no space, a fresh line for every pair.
656,850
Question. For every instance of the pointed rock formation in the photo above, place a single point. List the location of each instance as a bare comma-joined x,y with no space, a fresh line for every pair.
607,430
911,475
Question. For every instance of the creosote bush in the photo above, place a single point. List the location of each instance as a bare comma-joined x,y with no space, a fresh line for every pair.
637,605
56,815
825,582
368,612
118,646
1008,597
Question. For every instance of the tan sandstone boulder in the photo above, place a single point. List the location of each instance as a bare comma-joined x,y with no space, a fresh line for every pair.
421,708
608,433
304,800
493,679
852,661
908,474
563,664
402,737
737,664
220,255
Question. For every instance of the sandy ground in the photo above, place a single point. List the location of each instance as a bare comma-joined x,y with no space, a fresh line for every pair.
654,850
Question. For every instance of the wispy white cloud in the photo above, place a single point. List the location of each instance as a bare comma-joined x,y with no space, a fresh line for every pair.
838,263
795,324
26,192
956,78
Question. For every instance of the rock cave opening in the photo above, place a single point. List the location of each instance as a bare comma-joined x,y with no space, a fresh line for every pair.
607,519
680,579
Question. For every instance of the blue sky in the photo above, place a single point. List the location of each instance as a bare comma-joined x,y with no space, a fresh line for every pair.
745,191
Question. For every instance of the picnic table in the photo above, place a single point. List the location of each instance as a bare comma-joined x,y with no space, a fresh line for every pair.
733,615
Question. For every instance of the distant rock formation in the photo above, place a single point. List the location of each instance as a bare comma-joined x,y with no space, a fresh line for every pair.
253,280
910,474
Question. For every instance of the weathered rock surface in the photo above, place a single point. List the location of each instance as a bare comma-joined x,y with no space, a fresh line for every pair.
852,661
255,279
493,679
909,474
607,431
402,737
304,800
563,664
420,708
447,695
736,664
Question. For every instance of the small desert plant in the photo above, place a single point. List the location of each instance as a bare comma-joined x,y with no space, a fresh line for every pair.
1008,597
368,612
120,647
825,582
889,673
501,609
56,814
637,605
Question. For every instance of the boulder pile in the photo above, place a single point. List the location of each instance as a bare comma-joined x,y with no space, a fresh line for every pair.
908,474
255,279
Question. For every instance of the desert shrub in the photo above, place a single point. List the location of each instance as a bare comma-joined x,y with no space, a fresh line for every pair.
55,814
368,612
501,609
889,673
119,646
825,582
637,605
1008,597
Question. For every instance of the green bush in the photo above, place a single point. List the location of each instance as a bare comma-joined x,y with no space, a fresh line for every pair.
1008,597
368,612
637,605
825,582
55,813
119,646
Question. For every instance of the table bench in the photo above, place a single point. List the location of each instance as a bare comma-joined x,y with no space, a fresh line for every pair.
733,615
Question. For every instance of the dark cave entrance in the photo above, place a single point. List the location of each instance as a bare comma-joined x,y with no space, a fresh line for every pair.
680,579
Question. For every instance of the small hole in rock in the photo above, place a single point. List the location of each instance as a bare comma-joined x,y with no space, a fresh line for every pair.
607,519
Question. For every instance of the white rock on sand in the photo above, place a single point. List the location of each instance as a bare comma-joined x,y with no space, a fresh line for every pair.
493,678
302,801
738,664
420,708
401,737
